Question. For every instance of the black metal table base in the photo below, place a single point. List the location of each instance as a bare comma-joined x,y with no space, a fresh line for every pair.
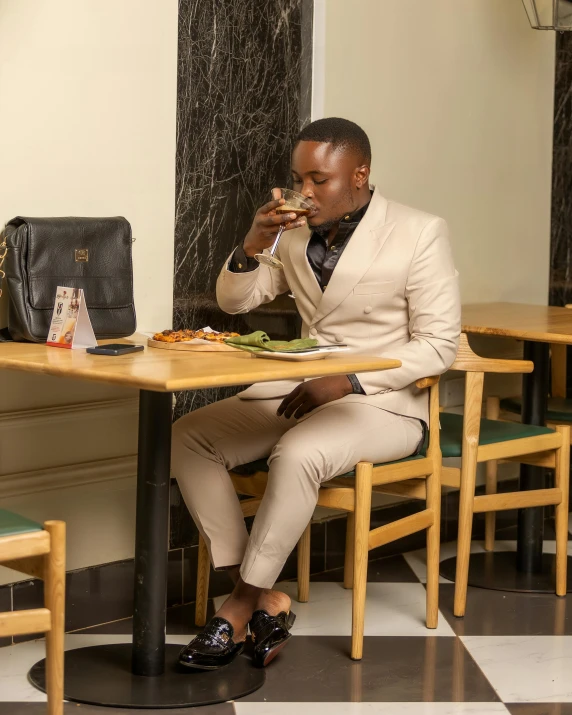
497,571
101,675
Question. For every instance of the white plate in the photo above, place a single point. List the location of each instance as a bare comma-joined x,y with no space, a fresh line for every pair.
318,354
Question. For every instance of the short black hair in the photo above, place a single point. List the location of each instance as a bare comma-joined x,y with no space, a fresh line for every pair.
339,132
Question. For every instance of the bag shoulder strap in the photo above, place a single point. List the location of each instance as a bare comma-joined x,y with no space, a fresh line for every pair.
5,336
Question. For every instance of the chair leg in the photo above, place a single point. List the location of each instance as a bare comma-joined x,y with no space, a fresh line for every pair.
562,479
433,548
203,575
54,599
349,555
304,565
364,474
492,413
471,425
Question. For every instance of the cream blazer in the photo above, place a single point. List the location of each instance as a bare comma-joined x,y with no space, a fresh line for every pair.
394,293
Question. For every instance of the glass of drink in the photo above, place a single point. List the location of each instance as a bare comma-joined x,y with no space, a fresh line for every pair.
295,203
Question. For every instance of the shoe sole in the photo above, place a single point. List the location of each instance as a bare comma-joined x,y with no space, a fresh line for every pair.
203,667
194,666
273,652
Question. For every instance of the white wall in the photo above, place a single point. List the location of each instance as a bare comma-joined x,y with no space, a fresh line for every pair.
457,98
87,128
87,124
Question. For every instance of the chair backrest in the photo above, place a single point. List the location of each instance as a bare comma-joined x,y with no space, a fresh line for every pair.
475,368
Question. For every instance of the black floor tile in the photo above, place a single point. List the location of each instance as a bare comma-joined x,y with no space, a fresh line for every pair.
81,709
390,568
393,669
504,613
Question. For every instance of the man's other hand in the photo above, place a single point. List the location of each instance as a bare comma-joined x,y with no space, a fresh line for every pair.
309,395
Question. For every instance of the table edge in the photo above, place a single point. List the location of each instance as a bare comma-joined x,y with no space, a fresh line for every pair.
174,385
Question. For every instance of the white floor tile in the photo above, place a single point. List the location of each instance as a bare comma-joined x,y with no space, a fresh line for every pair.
16,661
243,708
392,609
525,668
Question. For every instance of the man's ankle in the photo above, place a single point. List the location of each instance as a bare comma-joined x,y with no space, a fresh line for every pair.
273,602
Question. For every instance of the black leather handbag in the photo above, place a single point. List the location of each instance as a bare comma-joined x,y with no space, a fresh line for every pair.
90,253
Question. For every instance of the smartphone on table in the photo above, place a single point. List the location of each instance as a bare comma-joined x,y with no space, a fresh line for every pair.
115,349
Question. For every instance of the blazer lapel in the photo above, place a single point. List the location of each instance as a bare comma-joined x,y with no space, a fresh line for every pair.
361,251
306,278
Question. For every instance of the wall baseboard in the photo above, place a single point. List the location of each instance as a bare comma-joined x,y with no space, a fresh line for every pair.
73,475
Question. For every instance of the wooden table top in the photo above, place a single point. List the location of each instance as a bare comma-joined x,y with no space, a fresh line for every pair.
539,323
172,370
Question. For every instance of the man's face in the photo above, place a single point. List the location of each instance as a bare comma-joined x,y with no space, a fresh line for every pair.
330,177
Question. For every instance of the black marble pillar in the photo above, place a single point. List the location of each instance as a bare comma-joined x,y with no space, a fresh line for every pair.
561,218
561,236
244,91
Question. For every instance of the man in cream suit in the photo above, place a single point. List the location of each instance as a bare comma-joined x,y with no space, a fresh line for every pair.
365,271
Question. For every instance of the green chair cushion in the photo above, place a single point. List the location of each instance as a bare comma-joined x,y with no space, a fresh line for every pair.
11,524
559,409
492,432
247,470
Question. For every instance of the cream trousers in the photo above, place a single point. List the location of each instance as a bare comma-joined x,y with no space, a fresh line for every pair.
302,455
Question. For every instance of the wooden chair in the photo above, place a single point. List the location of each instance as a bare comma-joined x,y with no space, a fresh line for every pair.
478,440
39,552
352,493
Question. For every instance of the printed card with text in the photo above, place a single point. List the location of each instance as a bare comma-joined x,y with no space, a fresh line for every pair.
71,327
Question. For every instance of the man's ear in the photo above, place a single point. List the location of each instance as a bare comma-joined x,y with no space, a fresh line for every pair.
361,176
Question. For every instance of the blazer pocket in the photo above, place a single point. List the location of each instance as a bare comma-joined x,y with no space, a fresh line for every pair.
374,288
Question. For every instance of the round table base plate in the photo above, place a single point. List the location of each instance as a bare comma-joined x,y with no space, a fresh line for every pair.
497,571
101,675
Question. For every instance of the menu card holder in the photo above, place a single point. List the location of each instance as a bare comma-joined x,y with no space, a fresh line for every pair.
71,326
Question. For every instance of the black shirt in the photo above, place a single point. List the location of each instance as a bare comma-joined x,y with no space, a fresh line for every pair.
324,259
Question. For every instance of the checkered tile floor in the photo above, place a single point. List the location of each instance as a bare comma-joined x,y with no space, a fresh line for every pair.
512,653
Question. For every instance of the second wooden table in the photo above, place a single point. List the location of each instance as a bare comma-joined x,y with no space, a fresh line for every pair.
537,326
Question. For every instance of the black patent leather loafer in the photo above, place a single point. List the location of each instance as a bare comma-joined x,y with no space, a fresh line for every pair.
212,648
269,635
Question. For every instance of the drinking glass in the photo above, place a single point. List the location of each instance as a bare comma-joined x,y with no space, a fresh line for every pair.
295,204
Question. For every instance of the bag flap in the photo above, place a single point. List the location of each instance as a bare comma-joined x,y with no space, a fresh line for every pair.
89,253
